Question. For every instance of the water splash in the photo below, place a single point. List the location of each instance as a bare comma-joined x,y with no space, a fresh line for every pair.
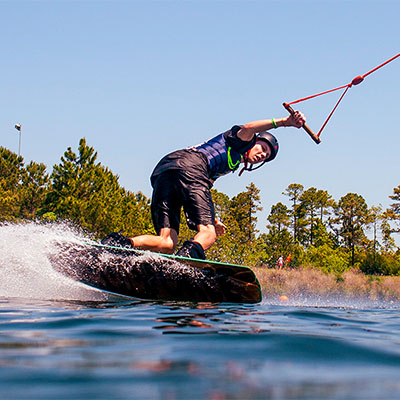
329,301
25,268
46,262
26,272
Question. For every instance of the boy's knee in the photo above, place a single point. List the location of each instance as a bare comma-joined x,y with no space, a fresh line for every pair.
169,240
169,246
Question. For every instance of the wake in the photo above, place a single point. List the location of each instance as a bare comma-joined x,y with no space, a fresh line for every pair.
49,262
25,268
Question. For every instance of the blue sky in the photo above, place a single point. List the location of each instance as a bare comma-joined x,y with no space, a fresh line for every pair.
139,79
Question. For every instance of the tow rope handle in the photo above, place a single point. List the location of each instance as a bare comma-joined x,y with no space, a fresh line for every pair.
313,136
357,80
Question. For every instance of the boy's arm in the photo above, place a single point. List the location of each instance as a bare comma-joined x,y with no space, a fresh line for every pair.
248,130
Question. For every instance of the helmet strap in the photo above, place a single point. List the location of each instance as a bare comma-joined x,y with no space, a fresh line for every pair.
245,163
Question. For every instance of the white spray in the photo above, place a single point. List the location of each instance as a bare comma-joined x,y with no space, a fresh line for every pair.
25,270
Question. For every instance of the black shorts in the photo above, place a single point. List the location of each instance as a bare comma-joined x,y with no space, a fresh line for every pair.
173,190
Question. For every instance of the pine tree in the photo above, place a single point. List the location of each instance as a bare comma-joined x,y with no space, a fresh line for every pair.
353,215
33,190
244,207
11,169
89,194
393,212
294,191
279,218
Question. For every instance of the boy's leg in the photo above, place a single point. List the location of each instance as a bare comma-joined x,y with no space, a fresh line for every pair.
165,242
165,213
200,215
204,239
206,236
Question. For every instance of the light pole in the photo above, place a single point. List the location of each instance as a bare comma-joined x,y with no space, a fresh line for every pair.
18,127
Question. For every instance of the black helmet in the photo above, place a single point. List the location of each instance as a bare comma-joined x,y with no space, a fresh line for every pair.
272,143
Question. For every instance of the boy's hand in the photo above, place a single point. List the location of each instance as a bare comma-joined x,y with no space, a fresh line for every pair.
297,120
220,228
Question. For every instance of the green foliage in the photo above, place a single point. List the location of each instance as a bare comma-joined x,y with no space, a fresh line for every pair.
327,259
388,242
353,215
49,217
79,190
10,177
374,263
33,190
294,191
279,217
395,207
135,215
23,190
278,243
243,208
89,194
322,236
238,214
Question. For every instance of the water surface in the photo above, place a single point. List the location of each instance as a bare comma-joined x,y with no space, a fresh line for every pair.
63,340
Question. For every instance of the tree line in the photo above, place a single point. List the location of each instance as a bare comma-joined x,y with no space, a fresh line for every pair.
314,229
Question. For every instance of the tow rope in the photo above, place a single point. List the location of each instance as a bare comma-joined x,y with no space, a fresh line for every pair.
356,81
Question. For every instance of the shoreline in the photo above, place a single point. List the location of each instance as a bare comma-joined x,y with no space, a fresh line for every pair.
285,284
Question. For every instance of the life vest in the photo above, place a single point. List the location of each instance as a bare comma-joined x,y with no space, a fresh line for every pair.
222,158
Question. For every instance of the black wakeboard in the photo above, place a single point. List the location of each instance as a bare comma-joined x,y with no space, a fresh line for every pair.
151,276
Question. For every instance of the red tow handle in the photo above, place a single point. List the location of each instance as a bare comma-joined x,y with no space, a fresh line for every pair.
313,136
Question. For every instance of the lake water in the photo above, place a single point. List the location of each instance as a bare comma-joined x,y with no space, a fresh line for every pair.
63,340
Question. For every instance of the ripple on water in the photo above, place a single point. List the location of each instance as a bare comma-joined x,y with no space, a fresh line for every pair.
59,340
